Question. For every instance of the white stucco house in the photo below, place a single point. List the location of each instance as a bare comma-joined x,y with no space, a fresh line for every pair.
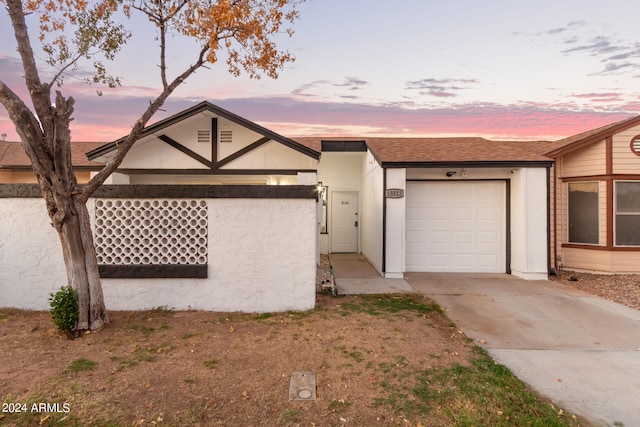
212,211
437,204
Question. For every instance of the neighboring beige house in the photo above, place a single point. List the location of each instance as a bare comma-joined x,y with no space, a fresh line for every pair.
596,199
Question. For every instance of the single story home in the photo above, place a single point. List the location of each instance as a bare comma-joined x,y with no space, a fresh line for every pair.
211,211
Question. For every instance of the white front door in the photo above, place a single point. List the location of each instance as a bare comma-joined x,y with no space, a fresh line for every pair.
344,221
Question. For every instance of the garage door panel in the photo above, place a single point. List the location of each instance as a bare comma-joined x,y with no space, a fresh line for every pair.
463,262
437,213
456,226
463,214
463,238
488,261
436,237
488,238
488,214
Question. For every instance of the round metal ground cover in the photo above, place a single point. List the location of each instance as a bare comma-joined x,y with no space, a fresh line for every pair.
304,394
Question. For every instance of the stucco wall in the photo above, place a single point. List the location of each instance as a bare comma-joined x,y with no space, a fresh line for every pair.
340,171
529,231
395,225
262,257
372,217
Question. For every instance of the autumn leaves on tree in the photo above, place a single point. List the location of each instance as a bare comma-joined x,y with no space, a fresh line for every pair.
78,38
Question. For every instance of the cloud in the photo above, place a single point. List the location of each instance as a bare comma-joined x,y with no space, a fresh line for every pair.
110,117
599,97
304,89
558,30
526,121
617,56
440,88
596,46
320,88
352,83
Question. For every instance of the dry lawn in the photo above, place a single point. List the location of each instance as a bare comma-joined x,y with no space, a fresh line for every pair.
200,368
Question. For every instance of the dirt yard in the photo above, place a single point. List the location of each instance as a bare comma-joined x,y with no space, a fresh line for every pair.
199,368
169,368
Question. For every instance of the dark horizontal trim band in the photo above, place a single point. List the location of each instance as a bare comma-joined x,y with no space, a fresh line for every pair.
471,164
602,248
344,146
29,168
214,171
178,191
457,179
156,271
614,177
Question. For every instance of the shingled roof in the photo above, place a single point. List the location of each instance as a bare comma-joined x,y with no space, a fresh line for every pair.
416,152
12,156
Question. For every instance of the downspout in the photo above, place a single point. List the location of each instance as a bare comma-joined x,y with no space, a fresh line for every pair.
384,222
549,219
555,216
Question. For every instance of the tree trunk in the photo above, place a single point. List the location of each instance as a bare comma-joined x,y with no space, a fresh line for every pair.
81,263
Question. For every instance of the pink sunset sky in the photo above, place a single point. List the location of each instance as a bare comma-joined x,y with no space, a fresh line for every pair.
498,69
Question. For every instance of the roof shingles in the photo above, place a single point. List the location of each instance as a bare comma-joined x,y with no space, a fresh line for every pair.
444,150
13,156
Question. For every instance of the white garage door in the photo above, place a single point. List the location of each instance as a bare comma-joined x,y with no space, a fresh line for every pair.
456,226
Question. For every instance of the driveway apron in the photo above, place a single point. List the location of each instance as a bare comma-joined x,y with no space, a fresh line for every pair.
581,351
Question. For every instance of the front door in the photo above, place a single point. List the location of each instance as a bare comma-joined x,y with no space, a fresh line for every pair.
344,221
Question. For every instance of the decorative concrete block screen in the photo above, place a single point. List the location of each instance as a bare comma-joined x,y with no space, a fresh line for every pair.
156,232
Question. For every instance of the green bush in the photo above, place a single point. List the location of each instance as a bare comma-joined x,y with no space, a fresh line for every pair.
64,309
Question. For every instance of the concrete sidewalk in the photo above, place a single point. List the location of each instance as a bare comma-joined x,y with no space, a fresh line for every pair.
581,351
354,275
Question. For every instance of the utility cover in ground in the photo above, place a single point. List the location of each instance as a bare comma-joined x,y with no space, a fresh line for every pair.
302,386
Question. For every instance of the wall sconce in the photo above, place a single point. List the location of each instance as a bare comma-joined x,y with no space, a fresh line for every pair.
451,173
321,190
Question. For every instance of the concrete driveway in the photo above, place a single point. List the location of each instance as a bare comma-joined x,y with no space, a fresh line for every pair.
581,351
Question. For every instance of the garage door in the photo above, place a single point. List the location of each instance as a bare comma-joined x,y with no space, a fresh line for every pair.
456,226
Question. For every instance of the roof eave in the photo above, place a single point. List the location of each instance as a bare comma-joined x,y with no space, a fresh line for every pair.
600,136
470,164
207,106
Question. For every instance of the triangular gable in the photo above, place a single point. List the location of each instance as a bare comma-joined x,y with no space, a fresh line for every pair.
575,142
211,138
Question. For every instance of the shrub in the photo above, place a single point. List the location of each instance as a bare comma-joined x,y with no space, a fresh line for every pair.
64,309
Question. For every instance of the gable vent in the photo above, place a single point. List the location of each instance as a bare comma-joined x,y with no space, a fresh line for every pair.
204,136
226,136
635,145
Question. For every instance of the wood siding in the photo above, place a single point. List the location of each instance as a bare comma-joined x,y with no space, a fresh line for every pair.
624,160
601,260
588,161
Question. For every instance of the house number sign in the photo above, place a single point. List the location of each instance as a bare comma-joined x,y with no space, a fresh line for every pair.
394,193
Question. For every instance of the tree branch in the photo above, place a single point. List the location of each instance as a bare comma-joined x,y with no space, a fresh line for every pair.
39,92
98,179
27,127
63,69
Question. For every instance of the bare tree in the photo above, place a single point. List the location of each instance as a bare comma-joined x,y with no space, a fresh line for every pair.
74,31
